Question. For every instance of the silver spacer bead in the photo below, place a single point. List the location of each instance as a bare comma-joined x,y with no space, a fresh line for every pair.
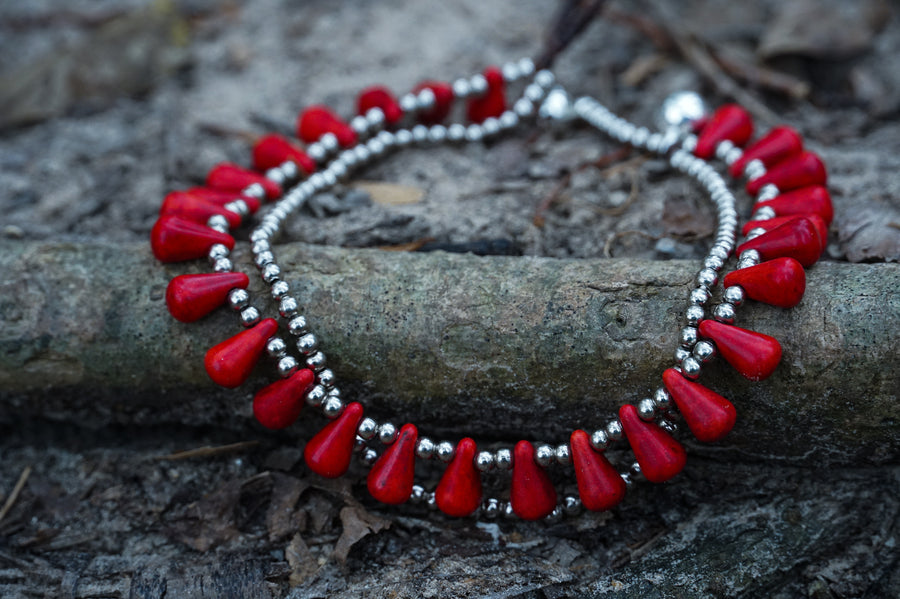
681,353
599,440
544,455
662,399
554,516
688,336
297,325
276,347
387,433
461,88
316,361
359,124
250,316
523,108
704,351
287,307
317,152
699,296
407,102
271,273
563,455
425,448
326,378
332,407
218,251
329,142
478,85
279,290
238,299
418,494
751,256
503,459
734,295
425,99
287,366
307,344
222,265
707,277
571,505
490,508
444,451
693,315
456,132
646,409
510,72
276,175
217,222
690,368
316,396
474,133
484,461
526,67
724,312
614,431
367,429
369,457
544,78
713,262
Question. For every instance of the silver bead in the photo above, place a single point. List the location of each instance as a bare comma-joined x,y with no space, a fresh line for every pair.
599,440
316,396
271,273
387,433
369,457
279,290
484,461
734,295
474,133
693,315
490,126
290,170
614,431
707,277
276,175
329,142
217,222
444,451
316,361
544,455
526,67
507,511
713,262
634,469
307,344
276,347
681,109
461,88
508,119
544,78
704,351
724,312
420,134
407,102
326,378
238,299
287,307
699,296
417,495
554,516
572,505
404,137
690,368
510,72
425,99
425,448
437,134
754,169
456,132
503,459
218,251
754,233
359,124
359,444
764,213
750,256
317,152
431,501
333,407
257,235
249,316
523,108
367,429
768,192
668,426
688,336
646,409
491,508
254,190
297,325
387,139
719,252
681,353
287,366
478,85
563,455
222,265
334,391
662,399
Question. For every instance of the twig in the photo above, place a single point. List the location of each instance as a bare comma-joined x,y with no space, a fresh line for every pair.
11,500
623,207
572,18
538,218
224,131
761,76
607,247
207,451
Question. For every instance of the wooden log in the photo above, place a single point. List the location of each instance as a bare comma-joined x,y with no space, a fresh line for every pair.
498,347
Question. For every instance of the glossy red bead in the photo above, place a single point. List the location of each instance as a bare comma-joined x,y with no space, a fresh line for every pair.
709,415
600,485
175,239
779,282
329,452
754,355
219,197
271,151
391,478
231,177
729,122
493,102
278,405
802,170
459,492
813,199
777,145
532,494
191,297
776,221
443,102
190,207
316,121
797,238
230,363
378,96
659,455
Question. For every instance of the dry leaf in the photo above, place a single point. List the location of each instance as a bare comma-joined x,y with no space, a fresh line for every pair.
391,194
682,218
357,523
210,521
870,233
302,562
281,517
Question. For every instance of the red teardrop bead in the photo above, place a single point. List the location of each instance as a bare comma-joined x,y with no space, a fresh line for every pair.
777,145
493,102
814,199
459,492
532,494
191,297
797,238
230,363
660,456
391,478
220,198
192,208
278,405
443,102
273,150
729,122
776,221
378,96
316,121
801,170
230,177
175,239
709,415
754,355
599,484
329,452
779,282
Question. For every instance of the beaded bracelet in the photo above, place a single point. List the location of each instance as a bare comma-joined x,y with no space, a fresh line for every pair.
786,233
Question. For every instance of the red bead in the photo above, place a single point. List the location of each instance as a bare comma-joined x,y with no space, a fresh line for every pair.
273,150
175,239
776,221
378,96
729,122
230,177
752,354
532,494
600,485
316,121
797,238
191,297
801,170
814,199
443,102
659,455
192,208
709,415
391,478
329,452
777,145
219,197
493,102
278,405
459,492
230,363
779,282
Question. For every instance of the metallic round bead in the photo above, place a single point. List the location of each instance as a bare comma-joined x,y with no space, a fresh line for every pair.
316,396
339,170
407,102
681,109
478,85
713,262
533,93
503,459
276,347
563,455
254,190
544,455
326,378
734,295
662,399
329,178
271,273
249,316
307,344
768,192
490,126
754,233
437,134
369,457
222,265
704,351
431,501
218,223
571,505
387,433
693,315
420,134
484,461
754,169
699,296
491,508
688,336
218,251
646,409
255,236
297,325
287,366
690,367
507,511
554,516
474,133
444,451
634,469
764,213
287,307
599,440
425,99
668,426
750,256
614,431
456,132
418,494
375,117
508,119
461,88
544,78
363,154
279,290
387,139
333,391
404,137
724,312
707,277
367,429
681,353
359,444
332,407
238,299
526,67
523,108
316,361
510,72
719,252
276,175
425,448
290,170
329,142
376,147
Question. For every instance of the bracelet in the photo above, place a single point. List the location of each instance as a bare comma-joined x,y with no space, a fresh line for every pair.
787,232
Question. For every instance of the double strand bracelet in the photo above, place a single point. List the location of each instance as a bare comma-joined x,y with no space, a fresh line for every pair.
787,232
